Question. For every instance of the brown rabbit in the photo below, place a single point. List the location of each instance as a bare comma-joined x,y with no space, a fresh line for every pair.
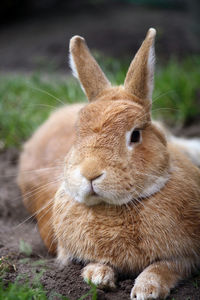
129,197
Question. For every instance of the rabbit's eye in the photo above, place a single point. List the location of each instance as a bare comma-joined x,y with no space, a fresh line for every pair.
135,136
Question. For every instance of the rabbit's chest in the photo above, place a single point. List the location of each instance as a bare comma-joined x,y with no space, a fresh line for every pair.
101,233
128,238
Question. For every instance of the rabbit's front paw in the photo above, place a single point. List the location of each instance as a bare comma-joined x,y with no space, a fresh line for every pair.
149,287
101,275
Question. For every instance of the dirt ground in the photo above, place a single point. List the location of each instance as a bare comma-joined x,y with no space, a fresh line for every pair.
15,225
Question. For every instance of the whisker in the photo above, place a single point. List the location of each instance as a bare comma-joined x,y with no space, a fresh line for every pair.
165,108
47,93
46,211
162,94
43,187
31,171
43,105
36,213
40,189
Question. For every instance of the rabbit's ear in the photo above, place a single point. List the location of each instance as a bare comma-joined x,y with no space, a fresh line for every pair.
86,69
140,77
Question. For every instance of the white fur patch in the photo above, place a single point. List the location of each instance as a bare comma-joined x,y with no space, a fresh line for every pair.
150,66
190,147
74,70
156,186
73,66
62,257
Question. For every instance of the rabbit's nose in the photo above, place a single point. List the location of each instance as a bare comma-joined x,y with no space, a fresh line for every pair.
90,169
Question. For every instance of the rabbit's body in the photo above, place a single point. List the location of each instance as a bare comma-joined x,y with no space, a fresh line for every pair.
132,236
129,196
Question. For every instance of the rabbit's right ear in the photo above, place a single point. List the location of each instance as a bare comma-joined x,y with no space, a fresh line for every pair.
140,77
86,69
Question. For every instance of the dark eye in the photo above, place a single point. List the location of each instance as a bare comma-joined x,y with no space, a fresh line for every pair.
135,136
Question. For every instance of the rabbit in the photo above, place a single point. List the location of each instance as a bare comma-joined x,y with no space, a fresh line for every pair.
112,188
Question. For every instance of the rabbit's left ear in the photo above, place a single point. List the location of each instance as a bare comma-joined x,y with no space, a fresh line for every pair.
140,77
86,69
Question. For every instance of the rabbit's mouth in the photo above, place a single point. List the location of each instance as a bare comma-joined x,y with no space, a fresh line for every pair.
92,192
92,197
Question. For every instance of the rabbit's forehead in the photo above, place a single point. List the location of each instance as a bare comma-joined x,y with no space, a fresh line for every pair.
108,115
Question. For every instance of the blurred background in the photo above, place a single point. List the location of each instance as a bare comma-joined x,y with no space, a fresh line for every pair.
34,37
35,33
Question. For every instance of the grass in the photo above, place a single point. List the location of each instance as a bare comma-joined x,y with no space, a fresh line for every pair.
34,291
26,101
178,88
21,291
25,288
27,291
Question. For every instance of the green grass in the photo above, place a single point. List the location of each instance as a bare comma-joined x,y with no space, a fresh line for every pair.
35,291
21,292
26,101
177,90
23,289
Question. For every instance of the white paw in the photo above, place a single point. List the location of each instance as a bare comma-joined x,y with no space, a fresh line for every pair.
148,288
144,292
63,258
101,275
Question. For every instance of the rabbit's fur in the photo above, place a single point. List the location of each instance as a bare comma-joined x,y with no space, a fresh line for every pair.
123,203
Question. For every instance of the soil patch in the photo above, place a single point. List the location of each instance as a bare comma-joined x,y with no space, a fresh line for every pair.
15,225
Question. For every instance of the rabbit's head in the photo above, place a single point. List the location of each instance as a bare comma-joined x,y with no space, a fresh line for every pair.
119,155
